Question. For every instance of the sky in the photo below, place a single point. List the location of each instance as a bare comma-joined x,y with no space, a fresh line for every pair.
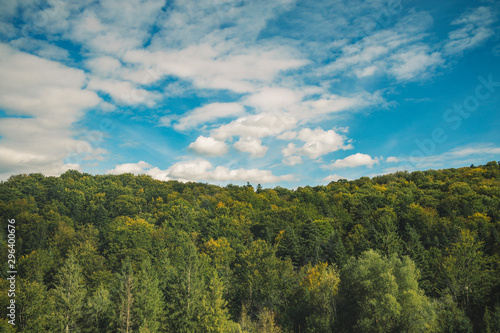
278,93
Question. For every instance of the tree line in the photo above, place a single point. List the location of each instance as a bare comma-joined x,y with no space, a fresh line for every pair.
404,252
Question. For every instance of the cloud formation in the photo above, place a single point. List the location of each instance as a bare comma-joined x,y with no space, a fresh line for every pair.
200,170
353,161
209,146
41,99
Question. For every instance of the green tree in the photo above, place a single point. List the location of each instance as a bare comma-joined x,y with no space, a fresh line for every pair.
466,270
321,283
125,297
213,315
184,292
382,295
34,306
69,293
148,299
98,311
450,318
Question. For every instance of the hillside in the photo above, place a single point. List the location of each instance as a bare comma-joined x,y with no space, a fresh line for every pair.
407,252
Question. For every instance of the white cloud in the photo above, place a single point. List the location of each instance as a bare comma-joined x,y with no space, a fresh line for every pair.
353,161
470,154
209,146
201,170
415,63
332,103
319,142
239,71
251,145
398,52
480,149
333,178
476,28
288,135
123,92
41,48
208,113
392,159
105,66
277,99
112,27
50,98
260,125
292,160
135,168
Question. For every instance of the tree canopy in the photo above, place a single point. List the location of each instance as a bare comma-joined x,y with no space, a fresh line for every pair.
404,252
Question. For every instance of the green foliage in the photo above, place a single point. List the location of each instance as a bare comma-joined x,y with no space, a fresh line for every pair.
148,299
383,295
69,295
34,307
127,253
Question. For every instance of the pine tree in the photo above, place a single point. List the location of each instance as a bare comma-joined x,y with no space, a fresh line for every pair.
69,295
126,297
98,310
185,292
148,299
214,316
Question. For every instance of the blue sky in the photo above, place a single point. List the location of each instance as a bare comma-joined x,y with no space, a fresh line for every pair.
284,92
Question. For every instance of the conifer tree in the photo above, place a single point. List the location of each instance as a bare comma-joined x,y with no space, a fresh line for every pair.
69,295
214,316
148,299
126,297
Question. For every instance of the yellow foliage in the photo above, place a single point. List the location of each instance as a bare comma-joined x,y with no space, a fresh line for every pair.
380,188
312,279
134,224
479,216
279,237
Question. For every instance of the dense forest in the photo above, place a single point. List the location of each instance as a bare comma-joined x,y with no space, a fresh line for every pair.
404,252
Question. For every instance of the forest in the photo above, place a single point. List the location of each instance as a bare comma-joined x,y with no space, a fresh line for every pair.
403,252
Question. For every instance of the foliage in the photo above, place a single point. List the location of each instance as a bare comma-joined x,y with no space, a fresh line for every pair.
404,252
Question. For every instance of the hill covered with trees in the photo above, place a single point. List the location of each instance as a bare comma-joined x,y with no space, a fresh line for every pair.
405,252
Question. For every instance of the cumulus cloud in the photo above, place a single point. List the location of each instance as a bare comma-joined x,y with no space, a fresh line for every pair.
333,178
392,159
353,161
42,99
135,168
208,113
318,142
209,146
201,170
260,125
251,145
